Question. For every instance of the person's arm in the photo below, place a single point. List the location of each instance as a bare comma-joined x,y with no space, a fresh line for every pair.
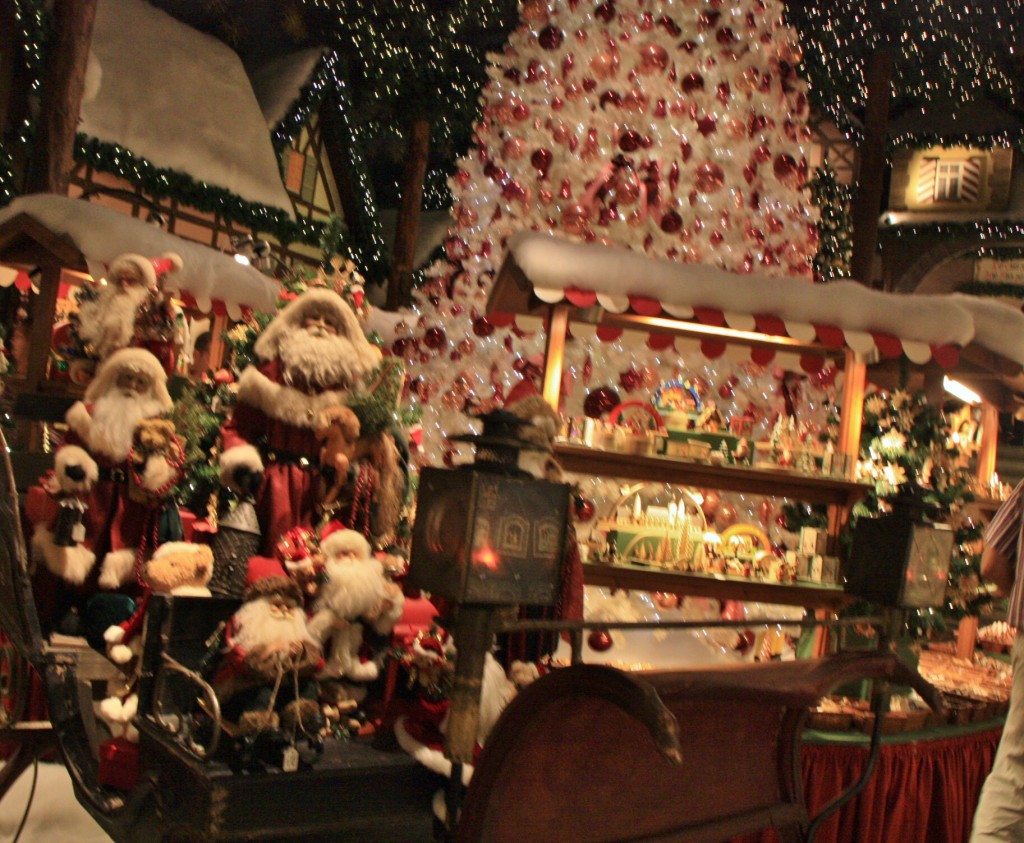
997,569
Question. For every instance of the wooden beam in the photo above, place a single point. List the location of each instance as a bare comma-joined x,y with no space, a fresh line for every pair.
871,181
53,153
554,354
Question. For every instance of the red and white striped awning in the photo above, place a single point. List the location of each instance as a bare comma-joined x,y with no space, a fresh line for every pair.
816,320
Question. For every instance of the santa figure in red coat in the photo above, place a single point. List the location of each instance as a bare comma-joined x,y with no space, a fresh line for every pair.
313,357
117,486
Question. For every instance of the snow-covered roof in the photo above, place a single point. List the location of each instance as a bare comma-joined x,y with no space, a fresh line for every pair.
181,100
843,312
279,83
101,234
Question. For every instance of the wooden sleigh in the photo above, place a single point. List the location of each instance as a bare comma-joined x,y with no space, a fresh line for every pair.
584,754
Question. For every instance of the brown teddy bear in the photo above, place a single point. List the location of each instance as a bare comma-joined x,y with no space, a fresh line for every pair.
157,460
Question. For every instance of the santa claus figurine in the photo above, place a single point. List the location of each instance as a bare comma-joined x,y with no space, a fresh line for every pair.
313,357
355,594
133,309
263,679
121,493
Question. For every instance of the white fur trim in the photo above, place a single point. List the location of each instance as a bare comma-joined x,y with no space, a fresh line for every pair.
241,456
121,654
69,563
141,267
191,591
157,473
285,403
432,759
117,568
69,456
110,709
386,622
114,634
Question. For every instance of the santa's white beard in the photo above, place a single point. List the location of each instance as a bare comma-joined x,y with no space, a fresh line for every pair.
108,321
321,360
353,588
114,419
255,625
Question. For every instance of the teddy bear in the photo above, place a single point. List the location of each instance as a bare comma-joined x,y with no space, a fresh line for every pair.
177,568
157,460
355,592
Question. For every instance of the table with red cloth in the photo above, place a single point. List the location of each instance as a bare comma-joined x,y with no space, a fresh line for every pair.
923,789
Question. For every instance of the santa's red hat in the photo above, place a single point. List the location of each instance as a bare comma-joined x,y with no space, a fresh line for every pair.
148,271
262,567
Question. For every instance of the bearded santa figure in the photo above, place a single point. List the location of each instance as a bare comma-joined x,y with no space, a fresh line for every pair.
355,595
120,496
313,357
132,309
267,645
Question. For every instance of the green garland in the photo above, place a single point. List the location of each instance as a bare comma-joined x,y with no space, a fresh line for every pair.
162,183
987,230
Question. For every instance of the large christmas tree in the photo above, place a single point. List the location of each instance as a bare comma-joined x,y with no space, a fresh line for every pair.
672,128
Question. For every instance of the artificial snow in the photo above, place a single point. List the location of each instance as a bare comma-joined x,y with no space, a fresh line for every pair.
278,83
101,234
550,262
181,100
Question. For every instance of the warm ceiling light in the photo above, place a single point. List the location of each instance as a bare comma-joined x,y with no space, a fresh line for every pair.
960,391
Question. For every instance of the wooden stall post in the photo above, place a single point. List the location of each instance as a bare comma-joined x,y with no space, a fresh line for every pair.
989,442
554,353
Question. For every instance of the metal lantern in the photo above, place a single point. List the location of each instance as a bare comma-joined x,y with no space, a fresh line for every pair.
900,559
488,533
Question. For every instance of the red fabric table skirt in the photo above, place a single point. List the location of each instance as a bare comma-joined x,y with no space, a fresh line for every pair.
921,791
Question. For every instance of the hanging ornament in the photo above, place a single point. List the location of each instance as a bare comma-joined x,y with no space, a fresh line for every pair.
709,506
583,509
600,401
600,640
630,380
551,37
434,338
483,327
726,516
653,59
709,178
574,220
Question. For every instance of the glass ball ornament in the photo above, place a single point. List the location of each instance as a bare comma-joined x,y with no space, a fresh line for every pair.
574,220
434,338
709,178
541,159
600,640
584,509
600,401
654,58
551,37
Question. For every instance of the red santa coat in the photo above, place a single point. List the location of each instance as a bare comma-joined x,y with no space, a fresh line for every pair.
278,420
113,521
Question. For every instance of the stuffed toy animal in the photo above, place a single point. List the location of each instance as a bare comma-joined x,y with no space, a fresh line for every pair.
178,568
355,592
337,431
157,459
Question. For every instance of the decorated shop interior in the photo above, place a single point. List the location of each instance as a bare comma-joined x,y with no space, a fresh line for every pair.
643,486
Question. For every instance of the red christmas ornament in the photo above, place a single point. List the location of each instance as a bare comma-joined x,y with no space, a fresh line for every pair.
606,11
600,640
707,125
761,154
786,171
600,401
671,222
434,338
483,327
584,509
630,141
551,37
709,178
692,82
630,379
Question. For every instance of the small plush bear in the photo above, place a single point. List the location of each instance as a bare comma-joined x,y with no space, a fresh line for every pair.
337,431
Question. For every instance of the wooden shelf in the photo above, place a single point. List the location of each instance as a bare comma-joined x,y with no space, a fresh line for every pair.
642,578
803,487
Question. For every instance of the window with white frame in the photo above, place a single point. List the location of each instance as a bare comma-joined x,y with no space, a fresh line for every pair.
949,180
